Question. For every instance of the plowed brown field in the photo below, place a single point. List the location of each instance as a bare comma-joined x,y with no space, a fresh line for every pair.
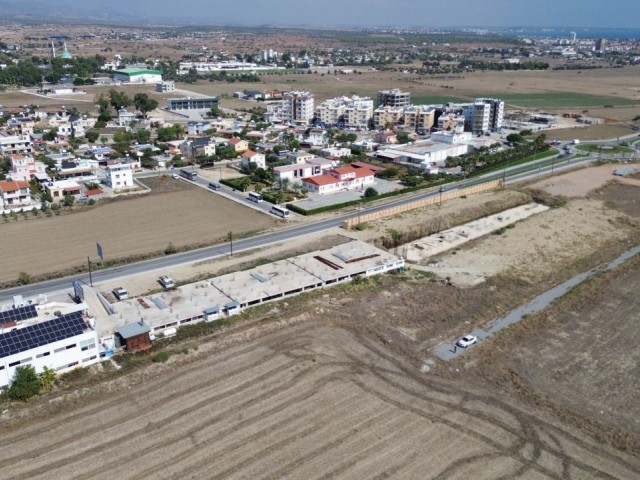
134,226
314,402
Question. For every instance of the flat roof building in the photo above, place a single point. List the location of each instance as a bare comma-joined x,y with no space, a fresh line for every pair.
137,75
188,103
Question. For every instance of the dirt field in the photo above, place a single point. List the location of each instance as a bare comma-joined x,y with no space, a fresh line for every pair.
577,358
314,402
128,227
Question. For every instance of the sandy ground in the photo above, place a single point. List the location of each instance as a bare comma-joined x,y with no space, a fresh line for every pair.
580,182
312,402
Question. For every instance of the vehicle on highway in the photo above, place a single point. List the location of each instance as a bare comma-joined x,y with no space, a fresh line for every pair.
214,186
188,174
467,341
255,197
280,211
175,175
121,293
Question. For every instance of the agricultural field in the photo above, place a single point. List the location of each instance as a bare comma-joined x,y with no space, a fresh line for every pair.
174,213
316,401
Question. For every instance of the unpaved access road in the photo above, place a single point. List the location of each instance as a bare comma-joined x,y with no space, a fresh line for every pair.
315,401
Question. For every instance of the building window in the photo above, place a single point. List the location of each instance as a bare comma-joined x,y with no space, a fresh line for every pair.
45,354
13,364
68,347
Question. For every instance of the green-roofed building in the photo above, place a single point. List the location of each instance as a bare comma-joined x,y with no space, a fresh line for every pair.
137,75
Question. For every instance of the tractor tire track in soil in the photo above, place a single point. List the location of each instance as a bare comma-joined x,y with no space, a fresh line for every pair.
314,402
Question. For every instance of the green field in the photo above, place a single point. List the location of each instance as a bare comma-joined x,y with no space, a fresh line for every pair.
438,99
562,99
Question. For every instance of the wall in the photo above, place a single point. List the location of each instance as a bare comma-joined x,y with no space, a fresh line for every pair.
370,217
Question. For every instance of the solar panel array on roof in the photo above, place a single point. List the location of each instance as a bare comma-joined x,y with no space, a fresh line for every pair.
23,339
17,314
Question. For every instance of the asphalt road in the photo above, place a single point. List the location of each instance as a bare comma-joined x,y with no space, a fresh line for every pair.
512,174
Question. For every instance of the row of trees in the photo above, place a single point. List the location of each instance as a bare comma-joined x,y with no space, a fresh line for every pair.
118,99
486,157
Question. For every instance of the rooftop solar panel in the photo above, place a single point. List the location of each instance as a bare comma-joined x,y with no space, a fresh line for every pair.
18,314
23,339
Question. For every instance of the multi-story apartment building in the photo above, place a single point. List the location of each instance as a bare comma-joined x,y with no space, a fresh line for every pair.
119,176
352,112
384,117
484,115
298,107
393,98
419,118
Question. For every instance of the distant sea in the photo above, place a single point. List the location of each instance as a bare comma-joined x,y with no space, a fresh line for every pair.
581,32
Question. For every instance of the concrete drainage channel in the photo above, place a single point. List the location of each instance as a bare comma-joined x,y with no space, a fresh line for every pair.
448,351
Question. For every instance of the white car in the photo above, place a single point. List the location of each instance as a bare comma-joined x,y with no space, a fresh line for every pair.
467,341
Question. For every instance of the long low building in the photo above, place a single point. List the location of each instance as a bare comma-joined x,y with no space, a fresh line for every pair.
189,103
229,294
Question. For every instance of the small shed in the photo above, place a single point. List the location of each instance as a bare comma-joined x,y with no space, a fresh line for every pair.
135,336
211,313
232,308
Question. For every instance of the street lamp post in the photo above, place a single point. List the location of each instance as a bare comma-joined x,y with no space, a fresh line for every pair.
441,190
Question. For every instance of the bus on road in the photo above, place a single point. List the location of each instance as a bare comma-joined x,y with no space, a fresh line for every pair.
255,197
188,174
280,211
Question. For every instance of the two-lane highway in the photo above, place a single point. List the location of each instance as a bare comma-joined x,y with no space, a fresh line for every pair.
513,174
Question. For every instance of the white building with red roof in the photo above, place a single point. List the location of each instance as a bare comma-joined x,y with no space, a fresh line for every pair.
15,194
339,179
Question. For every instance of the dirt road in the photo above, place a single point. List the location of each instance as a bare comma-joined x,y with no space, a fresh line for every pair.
314,402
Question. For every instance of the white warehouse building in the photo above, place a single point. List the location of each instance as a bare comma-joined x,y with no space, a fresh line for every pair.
61,343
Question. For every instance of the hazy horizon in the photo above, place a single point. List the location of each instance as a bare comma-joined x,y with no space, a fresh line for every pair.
340,13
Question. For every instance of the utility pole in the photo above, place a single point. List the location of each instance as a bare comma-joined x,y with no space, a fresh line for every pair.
231,242
441,190
90,276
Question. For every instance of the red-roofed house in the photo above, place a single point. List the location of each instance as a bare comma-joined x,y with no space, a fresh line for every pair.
15,194
239,144
250,156
374,168
339,179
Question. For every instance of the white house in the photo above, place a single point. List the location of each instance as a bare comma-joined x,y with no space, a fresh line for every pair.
299,157
297,171
250,156
61,344
15,194
339,179
10,144
25,167
119,176
335,152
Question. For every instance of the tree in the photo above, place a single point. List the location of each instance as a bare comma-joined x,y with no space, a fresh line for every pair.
25,383
51,135
92,136
144,103
403,137
143,136
514,138
118,99
68,200
370,192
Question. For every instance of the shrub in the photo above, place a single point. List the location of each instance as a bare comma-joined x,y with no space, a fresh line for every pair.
160,357
25,384
171,249
370,192
24,278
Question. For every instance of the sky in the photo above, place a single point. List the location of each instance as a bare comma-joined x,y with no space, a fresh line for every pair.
428,13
